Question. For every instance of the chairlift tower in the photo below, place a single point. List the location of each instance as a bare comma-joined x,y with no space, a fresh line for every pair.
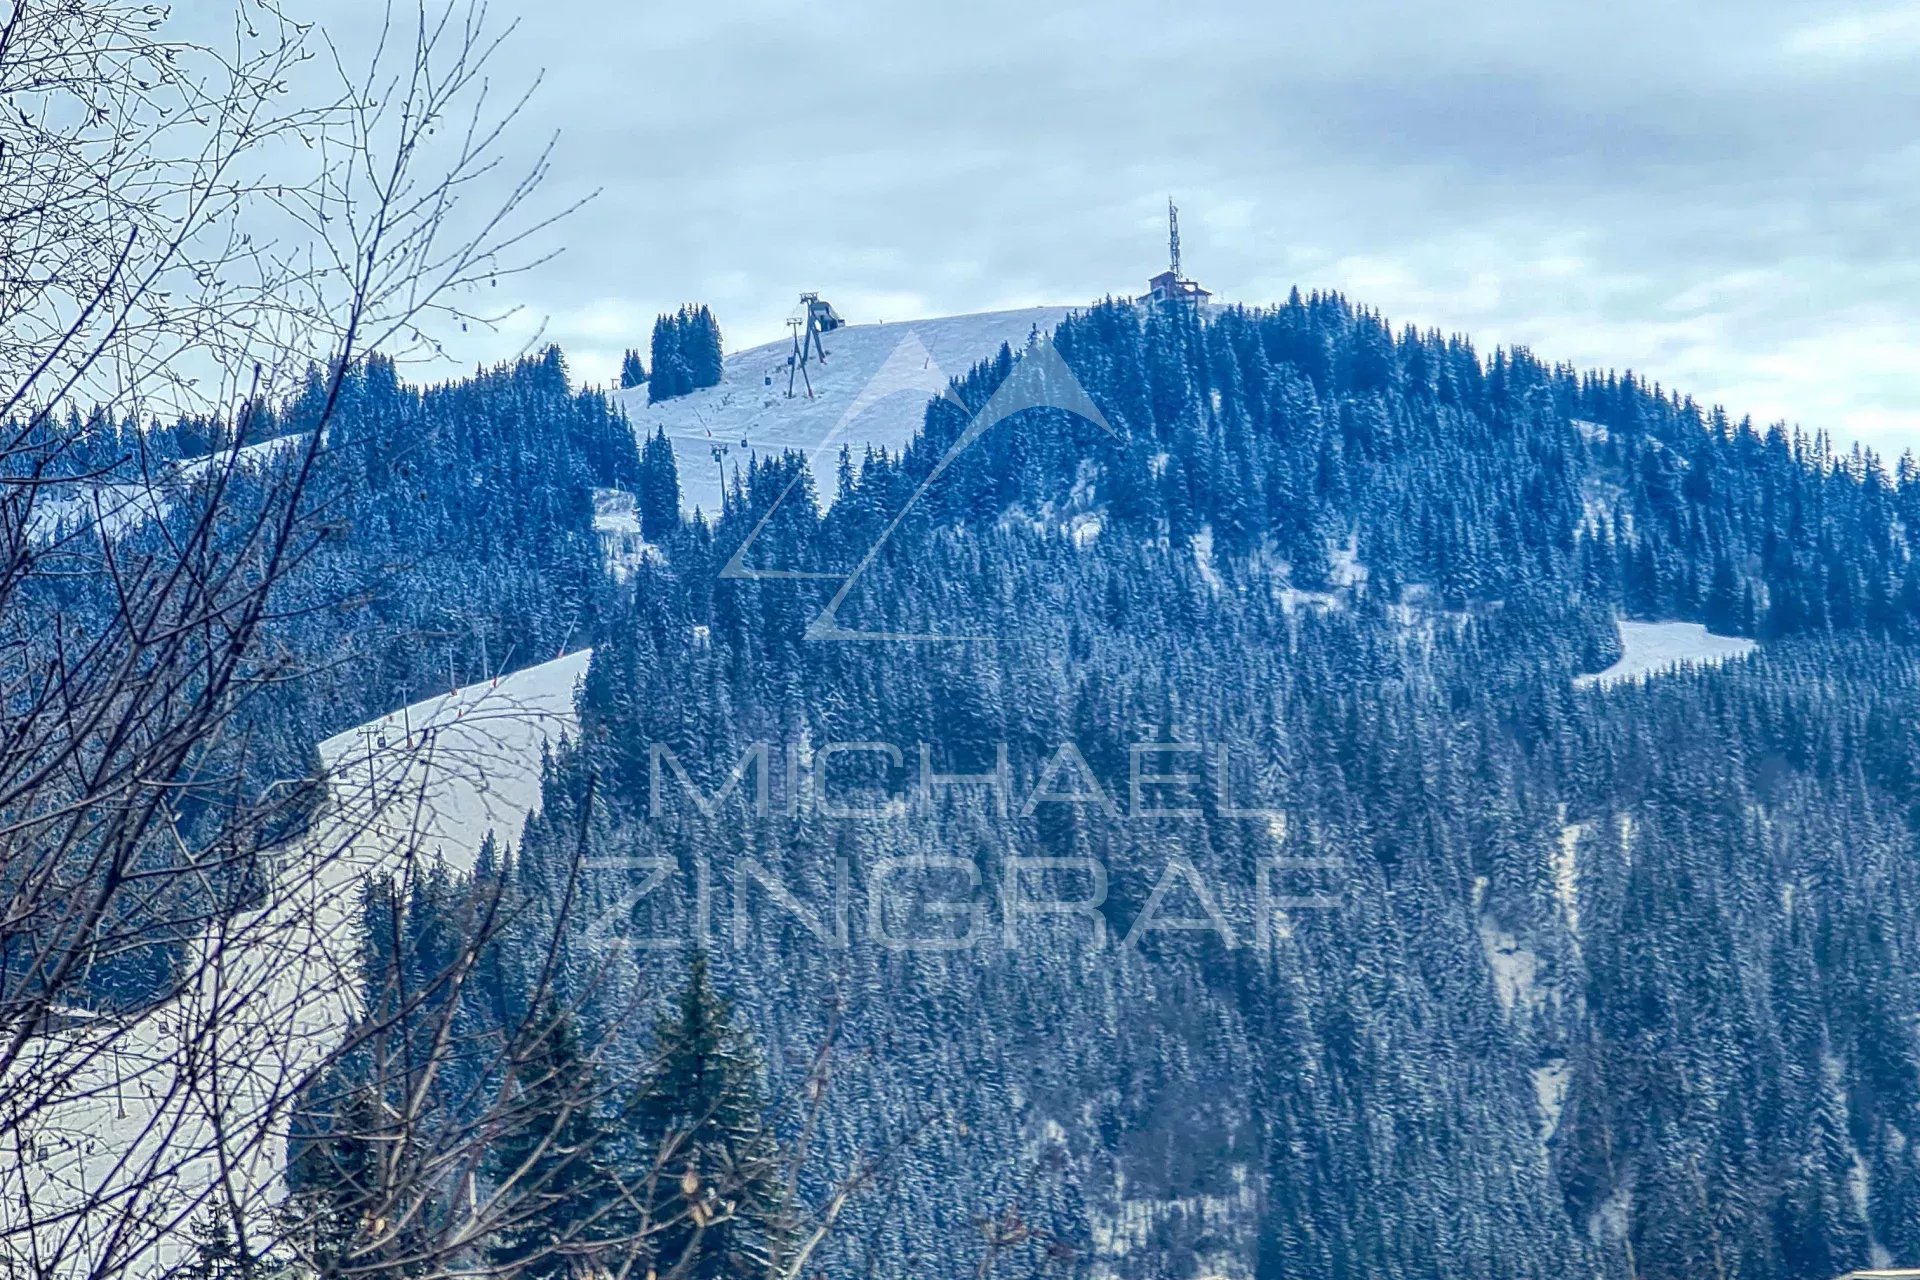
797,358
816,317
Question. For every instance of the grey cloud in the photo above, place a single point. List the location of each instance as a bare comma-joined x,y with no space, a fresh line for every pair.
1717,193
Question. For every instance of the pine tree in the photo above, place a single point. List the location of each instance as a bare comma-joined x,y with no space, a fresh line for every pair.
702,347
218,1254
669,365
659,488
632,372
686,353
700,1119
670,378
332,1181
551,1163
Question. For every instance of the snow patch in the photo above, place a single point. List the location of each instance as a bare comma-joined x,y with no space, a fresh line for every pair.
1550,1082
616,522
1136,1224
116,508
1514,967
1614,1218
1343,565
1603,503
1566,873
1650,648
1294,601
252,457
1203,557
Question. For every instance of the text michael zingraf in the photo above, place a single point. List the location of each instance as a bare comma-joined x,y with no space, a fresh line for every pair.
883,780
946,902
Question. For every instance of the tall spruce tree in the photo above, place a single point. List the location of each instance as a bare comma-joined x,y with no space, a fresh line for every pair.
219,1253
659,488
332,1182
552,1165
669,366
705,360
632,372
700,1122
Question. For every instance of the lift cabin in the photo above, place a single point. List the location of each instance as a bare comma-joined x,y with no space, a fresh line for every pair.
821,313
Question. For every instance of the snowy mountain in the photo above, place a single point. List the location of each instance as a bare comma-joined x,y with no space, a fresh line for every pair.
1453,925
1592,922
871,390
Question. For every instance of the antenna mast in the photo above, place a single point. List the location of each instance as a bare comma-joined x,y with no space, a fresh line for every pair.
1173,236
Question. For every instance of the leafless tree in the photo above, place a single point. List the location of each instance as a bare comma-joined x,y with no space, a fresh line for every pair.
187,223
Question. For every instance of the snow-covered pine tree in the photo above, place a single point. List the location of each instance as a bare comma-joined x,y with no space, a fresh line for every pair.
703,349
716,1203
332,1181
551,1168
632,371
669,365
219,1254
659,488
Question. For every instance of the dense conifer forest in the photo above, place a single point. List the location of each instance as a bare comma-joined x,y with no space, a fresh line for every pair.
1618,980
1446,965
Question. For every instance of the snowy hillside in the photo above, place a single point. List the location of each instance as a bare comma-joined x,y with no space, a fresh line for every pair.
429,781
116,507
872,389
447,770
1653,647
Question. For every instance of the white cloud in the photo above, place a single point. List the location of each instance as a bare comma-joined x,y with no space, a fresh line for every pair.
1876,35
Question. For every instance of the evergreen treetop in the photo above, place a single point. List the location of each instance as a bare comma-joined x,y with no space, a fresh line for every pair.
716,1201
632,372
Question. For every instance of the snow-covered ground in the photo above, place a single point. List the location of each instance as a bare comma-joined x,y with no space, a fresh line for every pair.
1515,968
137,1128
1654,647
116,507
616,523
251,456
1550,1082
439,774
872,389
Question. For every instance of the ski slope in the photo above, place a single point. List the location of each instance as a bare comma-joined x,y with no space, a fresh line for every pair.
1654,647
872,389
440,774
117,507
136,1130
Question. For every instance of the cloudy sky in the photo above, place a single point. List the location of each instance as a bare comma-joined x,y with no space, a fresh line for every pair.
1722,196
